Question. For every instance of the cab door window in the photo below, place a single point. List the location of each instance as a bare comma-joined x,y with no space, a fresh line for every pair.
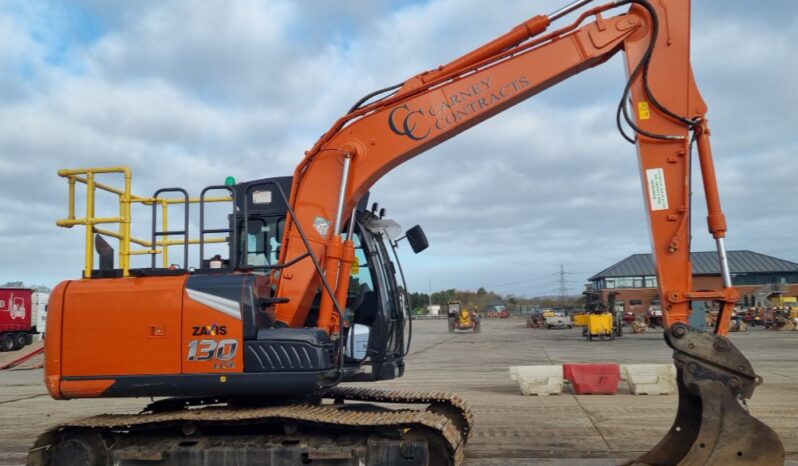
263,239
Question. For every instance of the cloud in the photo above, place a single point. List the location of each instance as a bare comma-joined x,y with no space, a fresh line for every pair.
187,93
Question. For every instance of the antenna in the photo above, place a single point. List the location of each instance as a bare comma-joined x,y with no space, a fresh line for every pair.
430,290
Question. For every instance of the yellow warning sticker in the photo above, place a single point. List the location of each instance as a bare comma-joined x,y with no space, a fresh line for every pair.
642,111
356,266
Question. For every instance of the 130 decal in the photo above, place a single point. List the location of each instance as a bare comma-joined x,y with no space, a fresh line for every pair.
221,352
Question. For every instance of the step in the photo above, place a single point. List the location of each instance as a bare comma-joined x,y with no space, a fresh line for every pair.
538,380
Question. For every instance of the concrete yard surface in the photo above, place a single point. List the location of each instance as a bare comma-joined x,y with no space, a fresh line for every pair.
510,429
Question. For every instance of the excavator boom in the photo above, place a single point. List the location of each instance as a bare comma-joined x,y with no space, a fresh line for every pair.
432,107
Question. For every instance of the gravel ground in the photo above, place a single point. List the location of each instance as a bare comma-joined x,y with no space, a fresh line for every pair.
510,429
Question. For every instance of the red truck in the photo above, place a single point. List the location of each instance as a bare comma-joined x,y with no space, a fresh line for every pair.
23,313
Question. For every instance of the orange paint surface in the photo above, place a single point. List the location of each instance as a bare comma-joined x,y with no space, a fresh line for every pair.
107,326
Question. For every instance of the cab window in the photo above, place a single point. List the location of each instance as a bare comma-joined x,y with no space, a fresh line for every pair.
263,240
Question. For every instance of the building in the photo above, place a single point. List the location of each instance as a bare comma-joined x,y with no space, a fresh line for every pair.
757,276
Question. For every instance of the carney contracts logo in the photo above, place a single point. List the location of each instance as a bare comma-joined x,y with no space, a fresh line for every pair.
408,126
418,123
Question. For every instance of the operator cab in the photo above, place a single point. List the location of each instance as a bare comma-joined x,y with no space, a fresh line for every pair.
376,319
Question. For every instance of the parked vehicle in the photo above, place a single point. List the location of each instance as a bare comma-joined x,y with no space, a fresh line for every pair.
559,320
23,313
462,319
654,316
535,320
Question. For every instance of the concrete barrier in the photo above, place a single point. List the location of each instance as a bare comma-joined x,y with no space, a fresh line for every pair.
538,380
650,379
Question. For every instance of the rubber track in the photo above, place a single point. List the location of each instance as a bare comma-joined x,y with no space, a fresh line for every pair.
393,396
325,414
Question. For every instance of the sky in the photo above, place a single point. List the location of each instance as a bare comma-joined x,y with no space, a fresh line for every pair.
187,93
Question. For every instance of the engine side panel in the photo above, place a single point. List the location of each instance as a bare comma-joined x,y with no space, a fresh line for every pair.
128,326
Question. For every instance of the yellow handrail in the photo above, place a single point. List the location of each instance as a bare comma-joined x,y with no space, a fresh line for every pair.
87,176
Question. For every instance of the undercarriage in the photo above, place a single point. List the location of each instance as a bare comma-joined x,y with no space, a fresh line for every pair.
343,427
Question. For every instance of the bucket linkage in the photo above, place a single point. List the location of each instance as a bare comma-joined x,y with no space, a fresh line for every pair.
713,425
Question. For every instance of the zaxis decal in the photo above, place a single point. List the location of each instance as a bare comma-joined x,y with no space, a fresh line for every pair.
212,329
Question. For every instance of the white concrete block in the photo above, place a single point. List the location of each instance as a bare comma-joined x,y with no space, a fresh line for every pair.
538,380
650,379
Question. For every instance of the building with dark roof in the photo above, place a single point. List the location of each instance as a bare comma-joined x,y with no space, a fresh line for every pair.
757,277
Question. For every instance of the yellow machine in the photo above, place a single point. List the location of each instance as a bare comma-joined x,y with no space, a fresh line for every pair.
785,301
461,318
600,319
600,326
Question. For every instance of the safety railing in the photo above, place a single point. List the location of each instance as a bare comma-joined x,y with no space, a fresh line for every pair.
160,239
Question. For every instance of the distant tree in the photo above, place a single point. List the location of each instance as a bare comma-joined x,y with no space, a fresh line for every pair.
443,297
482,291
418,301
39,288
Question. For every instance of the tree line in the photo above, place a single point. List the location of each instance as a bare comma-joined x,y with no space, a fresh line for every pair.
483,300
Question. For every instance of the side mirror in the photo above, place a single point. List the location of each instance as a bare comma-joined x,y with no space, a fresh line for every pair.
417,239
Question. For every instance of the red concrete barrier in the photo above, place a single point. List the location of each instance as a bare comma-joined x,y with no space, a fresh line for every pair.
593,379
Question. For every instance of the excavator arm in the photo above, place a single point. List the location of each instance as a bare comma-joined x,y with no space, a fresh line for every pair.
662,106
426,110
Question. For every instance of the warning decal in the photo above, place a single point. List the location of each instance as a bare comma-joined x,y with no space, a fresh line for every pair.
657,192
322,225
643,111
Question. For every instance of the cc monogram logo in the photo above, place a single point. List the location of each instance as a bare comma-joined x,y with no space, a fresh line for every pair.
408,126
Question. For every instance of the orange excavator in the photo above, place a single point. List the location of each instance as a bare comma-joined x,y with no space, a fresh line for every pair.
250,350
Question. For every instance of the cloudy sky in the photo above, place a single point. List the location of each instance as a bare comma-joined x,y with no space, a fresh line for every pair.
187,93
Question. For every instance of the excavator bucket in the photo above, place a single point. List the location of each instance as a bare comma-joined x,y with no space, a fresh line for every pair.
713,425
